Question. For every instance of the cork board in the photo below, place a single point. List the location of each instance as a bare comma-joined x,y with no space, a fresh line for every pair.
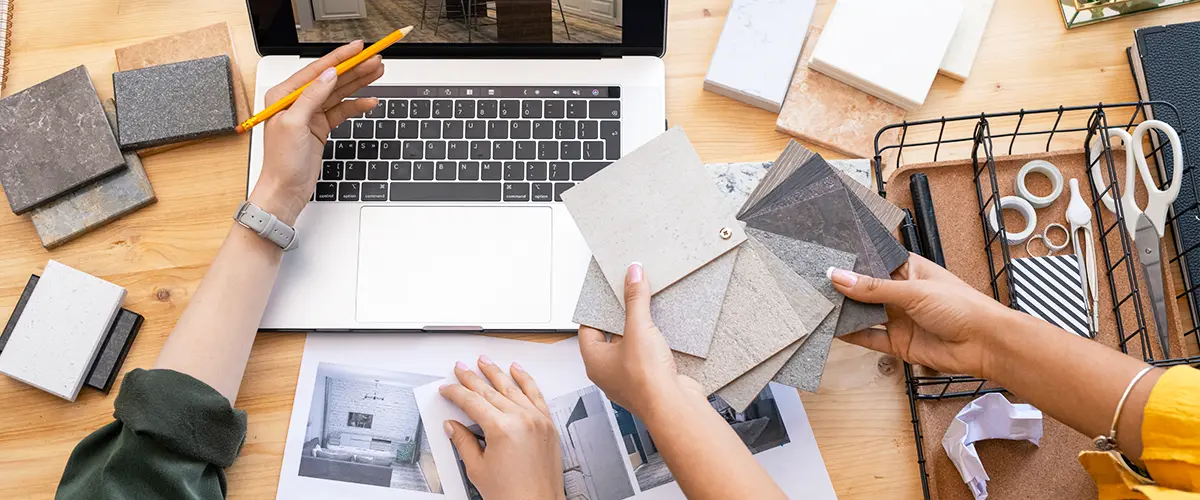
1021,470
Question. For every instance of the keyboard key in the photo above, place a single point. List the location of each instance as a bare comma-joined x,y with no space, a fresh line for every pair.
468,170
326,191
581,170
526,150
491,171
419,108
347,191
435,150
445,171
543,129
521,129
576,109
542,191
401,170
343,130
408,129
589,129
374,191
328,153
377,171
431,129
397,108
368,150
610,131
564,129
556,109
475,129
570,150
331,170
356,171
604,109
443,108
363,129
547,150
390,150
445,191
536,171
510,109
379,111
514,171
457,150
560,171
452,129
487,109
464,108
385,129
560,188
502,150
593,150
413,150
344,150
481,150
497,129
422,171
531,109
516,191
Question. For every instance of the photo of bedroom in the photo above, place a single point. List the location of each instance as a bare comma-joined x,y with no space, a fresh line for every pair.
460,21
363,427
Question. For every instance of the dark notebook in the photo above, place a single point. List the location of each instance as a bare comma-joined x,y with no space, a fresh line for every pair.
1166,67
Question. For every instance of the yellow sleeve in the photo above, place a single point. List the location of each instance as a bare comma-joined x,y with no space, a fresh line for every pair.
1171,430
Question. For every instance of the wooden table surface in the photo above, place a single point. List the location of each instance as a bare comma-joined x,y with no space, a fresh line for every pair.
160,253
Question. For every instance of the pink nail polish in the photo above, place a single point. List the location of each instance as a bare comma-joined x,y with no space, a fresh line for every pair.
517,367
459,365
328,75
635,273
448,429
486,360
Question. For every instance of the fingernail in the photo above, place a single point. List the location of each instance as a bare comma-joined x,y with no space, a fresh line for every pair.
517,366
449,429
841,276
356,41
442,388
459,365
634,273
328,75
486,360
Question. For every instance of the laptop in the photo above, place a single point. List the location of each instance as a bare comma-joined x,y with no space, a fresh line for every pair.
440,209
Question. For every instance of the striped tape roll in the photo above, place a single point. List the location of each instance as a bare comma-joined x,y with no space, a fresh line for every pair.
1051,288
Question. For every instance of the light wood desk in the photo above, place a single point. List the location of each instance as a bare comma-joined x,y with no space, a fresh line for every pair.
159,253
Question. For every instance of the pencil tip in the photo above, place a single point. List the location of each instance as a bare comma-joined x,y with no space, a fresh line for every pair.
406,30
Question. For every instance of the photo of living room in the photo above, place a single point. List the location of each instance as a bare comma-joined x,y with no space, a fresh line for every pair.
460,21
760,426
364,427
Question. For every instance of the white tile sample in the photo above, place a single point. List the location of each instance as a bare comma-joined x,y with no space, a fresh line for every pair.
891,50
61,330
758,49
960,56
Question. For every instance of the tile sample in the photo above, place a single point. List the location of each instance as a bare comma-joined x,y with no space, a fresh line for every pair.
685,312
960,55
757,51
737,180
95,204
60,331
54,138
899,59
112,354
209,41
857,170
885,212
832,114
656,206
174,102
16,314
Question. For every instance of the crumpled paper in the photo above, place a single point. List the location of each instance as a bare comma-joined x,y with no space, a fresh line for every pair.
990,416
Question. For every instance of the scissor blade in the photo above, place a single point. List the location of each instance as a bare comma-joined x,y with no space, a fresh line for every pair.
1148,253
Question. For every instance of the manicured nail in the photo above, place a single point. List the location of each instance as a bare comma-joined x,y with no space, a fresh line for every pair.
459,365
634,273
448,428
517,367
486,360
442,388
328,75
841,276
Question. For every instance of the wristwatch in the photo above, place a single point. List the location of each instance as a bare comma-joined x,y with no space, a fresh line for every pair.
266,225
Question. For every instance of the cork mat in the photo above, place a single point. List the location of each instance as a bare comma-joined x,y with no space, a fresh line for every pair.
1020,469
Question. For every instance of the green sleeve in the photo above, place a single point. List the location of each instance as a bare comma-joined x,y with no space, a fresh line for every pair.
172,438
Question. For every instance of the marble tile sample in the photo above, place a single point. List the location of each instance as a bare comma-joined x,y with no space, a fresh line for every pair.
174,102
16,314
899,58
757,51
60,330
685,312
657,206
737,180
97,203
112,353
54,138
858,170
827,112
960,55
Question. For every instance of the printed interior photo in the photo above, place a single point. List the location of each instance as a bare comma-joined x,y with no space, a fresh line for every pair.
460,21
760,427
364,427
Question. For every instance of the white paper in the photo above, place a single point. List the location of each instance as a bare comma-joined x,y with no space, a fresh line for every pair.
990,416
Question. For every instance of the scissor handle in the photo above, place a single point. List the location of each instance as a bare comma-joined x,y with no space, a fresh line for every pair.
1159,200
1095,165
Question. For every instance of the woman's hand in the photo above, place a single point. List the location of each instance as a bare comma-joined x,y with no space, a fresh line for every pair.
635,370
935,319
295,137
522,458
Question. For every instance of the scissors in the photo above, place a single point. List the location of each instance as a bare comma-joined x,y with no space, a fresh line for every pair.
1145,226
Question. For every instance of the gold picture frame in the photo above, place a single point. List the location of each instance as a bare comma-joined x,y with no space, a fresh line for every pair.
1078,13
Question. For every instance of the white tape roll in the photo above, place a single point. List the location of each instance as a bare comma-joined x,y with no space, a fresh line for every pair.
1047,169
1023,207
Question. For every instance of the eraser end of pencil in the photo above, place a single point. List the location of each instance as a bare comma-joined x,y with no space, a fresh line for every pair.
239,129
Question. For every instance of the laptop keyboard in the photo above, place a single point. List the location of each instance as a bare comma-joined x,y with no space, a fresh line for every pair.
471,144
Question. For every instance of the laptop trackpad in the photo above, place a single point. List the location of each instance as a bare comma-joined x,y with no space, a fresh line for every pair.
454,266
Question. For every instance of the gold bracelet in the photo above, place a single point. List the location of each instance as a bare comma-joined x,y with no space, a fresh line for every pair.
1109,442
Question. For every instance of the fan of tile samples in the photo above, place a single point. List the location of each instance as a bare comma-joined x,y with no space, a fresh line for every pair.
740,294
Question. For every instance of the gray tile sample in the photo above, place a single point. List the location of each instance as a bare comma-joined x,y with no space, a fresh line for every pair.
112,353
16,314
657,206
174,102
97,203
54,138
685,312
888,214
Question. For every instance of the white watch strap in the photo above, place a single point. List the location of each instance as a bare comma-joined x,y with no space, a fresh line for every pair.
266,225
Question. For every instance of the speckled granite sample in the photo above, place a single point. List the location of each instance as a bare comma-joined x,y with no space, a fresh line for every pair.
95,204
174,102
830,113
112,353
54,138
685,312
757,51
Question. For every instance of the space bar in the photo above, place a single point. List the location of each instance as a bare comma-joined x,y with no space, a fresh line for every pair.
444,191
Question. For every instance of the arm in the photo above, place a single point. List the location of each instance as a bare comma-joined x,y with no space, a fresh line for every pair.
637,371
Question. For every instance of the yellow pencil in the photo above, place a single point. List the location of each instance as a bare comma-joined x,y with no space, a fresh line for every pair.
345,66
